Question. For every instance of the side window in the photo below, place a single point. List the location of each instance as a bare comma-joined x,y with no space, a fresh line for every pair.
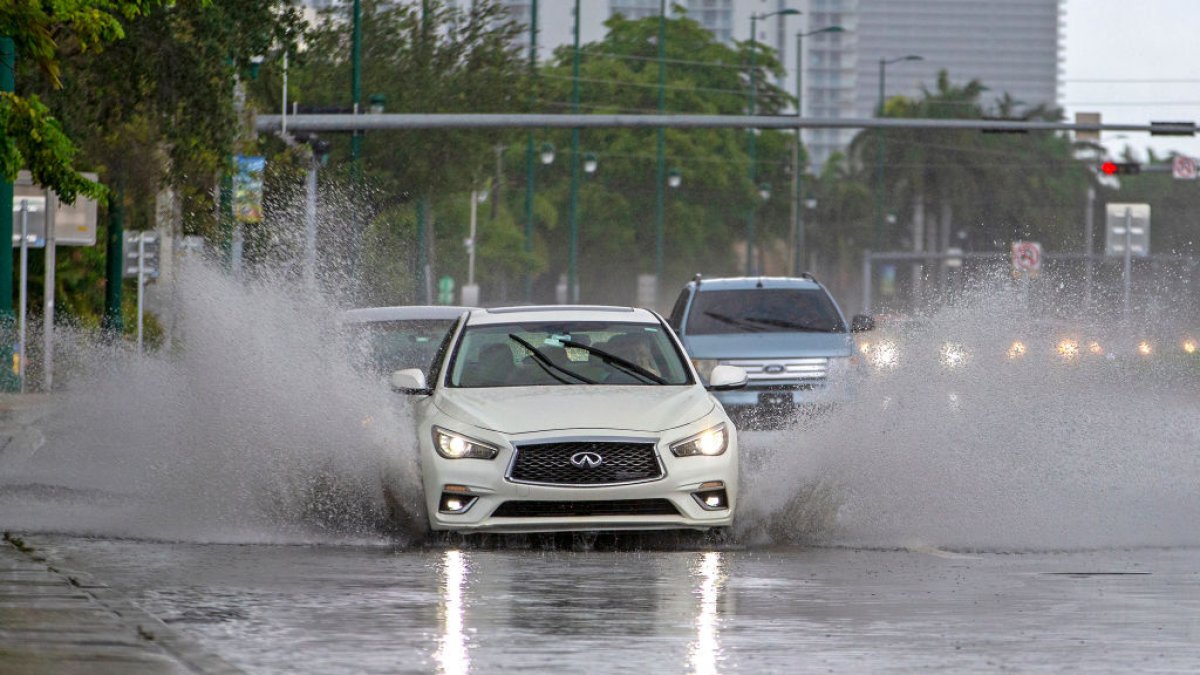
676,320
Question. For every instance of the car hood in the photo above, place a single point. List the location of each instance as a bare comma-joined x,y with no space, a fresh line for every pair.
515,410
767,345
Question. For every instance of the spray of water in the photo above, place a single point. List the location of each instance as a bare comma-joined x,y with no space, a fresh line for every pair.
254,427
988,426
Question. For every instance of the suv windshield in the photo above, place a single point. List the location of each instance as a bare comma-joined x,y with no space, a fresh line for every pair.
549,353
763,310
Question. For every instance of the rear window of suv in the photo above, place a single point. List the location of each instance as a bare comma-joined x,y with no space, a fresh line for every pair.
763,310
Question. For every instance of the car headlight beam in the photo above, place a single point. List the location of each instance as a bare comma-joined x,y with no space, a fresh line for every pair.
707,443
456,446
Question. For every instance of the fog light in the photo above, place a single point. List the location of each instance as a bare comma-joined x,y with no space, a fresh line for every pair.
455,503
712,500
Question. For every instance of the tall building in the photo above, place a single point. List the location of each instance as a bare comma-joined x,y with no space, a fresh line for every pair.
1011,46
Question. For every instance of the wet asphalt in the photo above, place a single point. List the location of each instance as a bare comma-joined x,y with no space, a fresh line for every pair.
644,608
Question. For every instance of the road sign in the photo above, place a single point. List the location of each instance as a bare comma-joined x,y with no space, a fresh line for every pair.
74,224
1136,236
1183,168
149,251
1026,256
248,189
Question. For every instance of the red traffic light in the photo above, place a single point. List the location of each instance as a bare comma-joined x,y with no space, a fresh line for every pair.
1119,168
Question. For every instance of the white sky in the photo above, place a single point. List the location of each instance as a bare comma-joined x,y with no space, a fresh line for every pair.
1143,49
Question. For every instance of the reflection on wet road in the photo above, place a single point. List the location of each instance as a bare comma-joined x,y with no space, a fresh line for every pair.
333,609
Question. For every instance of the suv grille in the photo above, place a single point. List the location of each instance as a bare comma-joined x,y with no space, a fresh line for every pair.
773,370
616,507
550,463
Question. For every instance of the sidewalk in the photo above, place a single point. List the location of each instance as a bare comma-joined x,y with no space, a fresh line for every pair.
20,428
56,621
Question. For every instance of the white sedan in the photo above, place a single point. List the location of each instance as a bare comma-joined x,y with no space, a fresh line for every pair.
542,419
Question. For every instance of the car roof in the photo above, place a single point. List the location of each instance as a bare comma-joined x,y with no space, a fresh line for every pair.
403,313
739,283
568,313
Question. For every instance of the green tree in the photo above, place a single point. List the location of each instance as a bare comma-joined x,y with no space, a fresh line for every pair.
705,217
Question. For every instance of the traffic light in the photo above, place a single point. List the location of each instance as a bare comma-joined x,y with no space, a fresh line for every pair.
1120,168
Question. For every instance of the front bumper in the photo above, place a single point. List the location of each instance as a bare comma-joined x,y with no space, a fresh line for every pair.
486,483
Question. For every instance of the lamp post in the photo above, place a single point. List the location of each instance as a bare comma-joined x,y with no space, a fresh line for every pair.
356,85
750,143
660,166
530,163
879,140
797,170
573,206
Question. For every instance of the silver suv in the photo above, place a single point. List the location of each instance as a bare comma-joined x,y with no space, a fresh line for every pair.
788,334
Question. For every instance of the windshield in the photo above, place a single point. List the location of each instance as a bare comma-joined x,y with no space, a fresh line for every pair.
554,353
385,346
763,310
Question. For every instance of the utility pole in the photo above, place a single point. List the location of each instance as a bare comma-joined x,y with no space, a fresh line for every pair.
530,155
751,150
113,321
8,58
573,206
660,167
356,88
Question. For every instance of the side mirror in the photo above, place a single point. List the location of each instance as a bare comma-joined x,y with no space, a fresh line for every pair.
862,323
724,378
410,381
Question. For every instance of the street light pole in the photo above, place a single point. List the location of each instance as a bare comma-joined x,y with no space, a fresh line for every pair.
8,58
751,147
530,159
573,206
660,168
797,169
879,141
356,87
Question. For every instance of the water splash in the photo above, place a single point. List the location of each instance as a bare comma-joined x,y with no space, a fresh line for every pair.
964,441
253,428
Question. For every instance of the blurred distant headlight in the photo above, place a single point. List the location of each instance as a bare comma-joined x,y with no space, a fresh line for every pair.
952,355
884,355
704,367
1068,349
1189,346
1095,348
1144,348
1016,350
454,446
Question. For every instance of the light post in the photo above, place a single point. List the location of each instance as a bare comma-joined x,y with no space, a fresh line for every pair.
797,170
750,143
530,163
573,206
883,64
660,165
356,85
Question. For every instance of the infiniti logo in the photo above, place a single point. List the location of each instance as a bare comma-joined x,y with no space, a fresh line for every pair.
587,460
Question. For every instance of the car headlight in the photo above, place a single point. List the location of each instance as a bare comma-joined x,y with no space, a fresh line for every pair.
1189,346
456,446
704,367
952,355
883,355
707,443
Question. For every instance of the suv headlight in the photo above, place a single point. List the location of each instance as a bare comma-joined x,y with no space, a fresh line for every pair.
456,446
707,443
704,367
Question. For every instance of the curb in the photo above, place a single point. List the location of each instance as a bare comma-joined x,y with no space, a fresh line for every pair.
146,627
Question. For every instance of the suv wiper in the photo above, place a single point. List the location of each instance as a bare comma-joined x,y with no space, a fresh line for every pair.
732,321
547,363
608,357
788,324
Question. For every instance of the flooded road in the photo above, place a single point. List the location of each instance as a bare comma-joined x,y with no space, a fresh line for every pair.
336,609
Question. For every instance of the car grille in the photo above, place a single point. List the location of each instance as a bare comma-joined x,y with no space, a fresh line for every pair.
772,370
615,507
550,463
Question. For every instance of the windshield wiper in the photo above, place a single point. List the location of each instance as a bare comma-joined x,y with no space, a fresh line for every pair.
627,366
545,362
787,324
732,321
